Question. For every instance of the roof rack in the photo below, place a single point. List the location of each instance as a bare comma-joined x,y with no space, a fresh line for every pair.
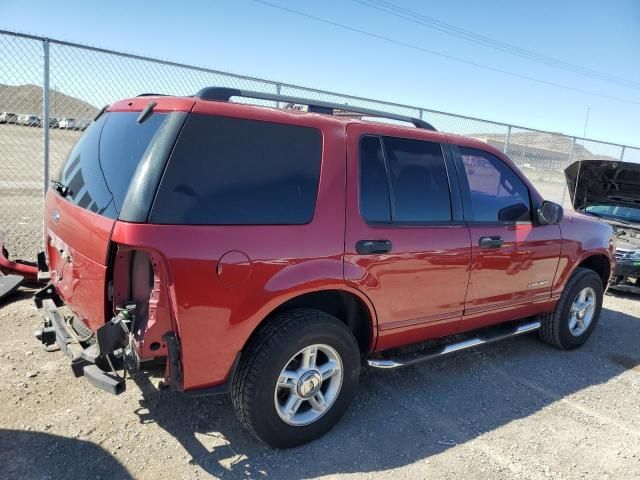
223,94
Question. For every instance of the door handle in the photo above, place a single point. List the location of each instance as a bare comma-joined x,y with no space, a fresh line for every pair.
371,247
491,242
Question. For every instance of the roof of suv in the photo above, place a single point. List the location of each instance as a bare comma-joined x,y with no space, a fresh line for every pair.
267,113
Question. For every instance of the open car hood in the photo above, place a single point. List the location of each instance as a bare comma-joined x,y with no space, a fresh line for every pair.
603,182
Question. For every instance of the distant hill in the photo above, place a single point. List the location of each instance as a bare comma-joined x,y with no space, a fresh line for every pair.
28,99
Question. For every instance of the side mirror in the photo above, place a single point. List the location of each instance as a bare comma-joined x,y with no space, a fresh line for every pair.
550,213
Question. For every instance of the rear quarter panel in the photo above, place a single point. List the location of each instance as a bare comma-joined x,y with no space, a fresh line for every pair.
214,319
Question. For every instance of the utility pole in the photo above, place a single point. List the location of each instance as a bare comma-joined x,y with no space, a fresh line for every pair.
586,121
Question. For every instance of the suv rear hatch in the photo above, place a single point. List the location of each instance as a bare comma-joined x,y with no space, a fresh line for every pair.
122,151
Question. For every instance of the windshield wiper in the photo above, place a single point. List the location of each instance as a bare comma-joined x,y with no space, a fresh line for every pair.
63,190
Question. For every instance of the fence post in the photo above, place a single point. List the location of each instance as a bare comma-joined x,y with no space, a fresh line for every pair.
622,154
278,88
421,113
573,147
506,143
45,117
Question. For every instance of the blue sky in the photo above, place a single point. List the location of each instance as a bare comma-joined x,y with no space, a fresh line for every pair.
251,38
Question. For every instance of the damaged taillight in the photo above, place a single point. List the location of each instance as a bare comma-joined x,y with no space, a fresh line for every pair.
139,279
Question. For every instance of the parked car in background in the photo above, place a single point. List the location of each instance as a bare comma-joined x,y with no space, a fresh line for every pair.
30,120
269,253
82,124
67,123
610,190
8,117
54,122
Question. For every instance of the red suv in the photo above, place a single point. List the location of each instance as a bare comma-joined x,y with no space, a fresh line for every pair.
271,252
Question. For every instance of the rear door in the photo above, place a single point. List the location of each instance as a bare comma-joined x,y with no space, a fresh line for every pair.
88,194
514,260
406,246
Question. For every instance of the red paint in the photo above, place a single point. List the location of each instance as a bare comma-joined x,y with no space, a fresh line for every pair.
214,285
234,269
76,248
10,267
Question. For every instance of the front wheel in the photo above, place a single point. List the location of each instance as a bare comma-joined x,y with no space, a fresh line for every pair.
577,311
296,378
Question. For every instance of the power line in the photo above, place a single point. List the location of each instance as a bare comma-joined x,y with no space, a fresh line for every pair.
443,55
430,22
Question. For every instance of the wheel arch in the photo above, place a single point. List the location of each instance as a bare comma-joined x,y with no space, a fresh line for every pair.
598,263
349,306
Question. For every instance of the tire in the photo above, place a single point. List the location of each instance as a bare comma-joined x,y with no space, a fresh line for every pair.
556,326
259,399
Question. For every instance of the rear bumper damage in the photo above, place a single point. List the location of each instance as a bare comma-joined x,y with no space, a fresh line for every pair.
110,350
86,360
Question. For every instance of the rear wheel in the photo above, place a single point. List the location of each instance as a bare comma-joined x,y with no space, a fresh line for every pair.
296,378
576,313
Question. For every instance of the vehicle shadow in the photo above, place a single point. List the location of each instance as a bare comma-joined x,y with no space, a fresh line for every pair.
30,455
22,293
400,417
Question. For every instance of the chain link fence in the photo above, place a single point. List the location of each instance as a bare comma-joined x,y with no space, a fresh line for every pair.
50,90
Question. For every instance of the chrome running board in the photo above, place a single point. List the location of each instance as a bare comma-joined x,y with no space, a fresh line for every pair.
405,360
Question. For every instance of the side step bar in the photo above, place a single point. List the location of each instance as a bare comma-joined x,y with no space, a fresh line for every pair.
406,360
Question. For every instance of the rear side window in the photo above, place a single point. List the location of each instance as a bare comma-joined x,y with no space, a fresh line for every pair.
231,171
100,167
416,173
497,193
374,187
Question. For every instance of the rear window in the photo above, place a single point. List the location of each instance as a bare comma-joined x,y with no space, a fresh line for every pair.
100,167
231,171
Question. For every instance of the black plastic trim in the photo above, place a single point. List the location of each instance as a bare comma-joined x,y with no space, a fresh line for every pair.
221,94
455,195
146,179
465,190
221,389
144,114
173,363
42,262
224,94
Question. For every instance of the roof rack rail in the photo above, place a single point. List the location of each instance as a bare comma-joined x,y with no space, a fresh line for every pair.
223,94
152,95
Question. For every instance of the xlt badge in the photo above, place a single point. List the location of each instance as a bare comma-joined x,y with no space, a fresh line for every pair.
537,284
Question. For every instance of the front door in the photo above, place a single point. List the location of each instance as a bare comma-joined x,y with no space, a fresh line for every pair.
514,260
407,247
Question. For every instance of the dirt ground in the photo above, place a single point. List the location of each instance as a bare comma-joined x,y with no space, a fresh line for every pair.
518,409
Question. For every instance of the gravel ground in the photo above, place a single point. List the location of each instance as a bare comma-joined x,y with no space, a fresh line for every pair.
518,409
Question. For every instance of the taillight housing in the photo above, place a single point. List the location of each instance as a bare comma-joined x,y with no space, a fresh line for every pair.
139,278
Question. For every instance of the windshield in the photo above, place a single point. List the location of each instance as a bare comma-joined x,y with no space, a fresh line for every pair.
628,214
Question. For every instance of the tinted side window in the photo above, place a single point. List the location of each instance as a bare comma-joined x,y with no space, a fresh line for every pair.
497,193
374,188
419,181
239,172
